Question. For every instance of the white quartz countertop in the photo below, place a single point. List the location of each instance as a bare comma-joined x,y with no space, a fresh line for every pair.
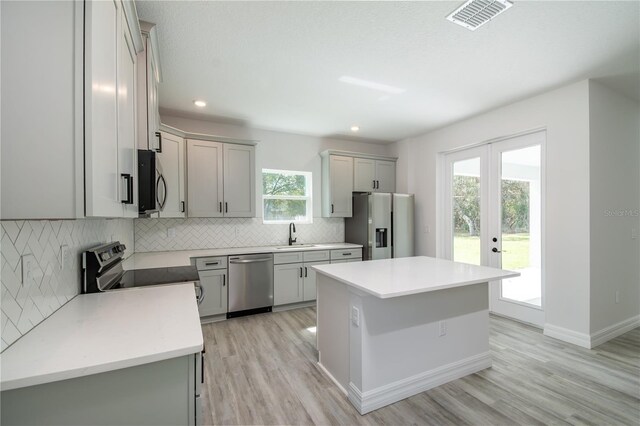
410,275
168,259
100,332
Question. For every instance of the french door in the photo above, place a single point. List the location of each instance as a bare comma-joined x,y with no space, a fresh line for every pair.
493,205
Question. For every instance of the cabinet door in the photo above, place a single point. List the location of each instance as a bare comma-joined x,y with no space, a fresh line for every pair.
214,285
287,283
386,176
341,185
309,288
364,174
153,111
171,165
102,179
127,149
239,181
204,179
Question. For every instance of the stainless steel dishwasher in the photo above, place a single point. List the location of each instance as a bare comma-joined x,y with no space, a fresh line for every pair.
250,284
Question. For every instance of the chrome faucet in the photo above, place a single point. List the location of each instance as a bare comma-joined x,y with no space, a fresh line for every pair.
292,240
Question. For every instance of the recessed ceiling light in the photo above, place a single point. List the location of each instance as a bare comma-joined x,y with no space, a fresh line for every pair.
200,104
475,13
371,85
355,128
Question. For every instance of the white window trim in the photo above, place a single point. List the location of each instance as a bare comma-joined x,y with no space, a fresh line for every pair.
308,198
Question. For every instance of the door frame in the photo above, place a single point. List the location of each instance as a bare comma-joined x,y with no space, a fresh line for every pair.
444,211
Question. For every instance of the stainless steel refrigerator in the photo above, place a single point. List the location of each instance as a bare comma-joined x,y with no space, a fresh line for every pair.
382,223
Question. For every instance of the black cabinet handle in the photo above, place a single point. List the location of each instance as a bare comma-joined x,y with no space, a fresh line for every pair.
202,365
182,208
301,272
331,208
305,272
224,280
346,254
159,136
226,207
374,184
129,179
220,206
377,184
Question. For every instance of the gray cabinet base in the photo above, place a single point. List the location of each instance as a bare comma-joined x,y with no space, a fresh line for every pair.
159,393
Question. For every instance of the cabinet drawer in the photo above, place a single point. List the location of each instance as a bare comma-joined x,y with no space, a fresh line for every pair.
346,253
280,258
316,256
207,263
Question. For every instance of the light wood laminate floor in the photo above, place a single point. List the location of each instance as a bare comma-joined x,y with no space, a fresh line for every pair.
262,370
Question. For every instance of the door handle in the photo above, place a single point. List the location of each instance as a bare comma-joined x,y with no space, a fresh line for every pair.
164,185
127,177
495,250
159,136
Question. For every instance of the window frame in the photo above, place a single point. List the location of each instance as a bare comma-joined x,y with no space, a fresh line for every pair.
308,197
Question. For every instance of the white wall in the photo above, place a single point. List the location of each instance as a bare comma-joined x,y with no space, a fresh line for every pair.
279,150
614,124
564,113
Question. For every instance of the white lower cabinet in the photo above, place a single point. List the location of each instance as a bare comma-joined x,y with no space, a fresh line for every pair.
214,286
309,287
346,260
288,283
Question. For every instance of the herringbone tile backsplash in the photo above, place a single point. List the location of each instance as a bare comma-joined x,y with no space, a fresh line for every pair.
51,284
153,234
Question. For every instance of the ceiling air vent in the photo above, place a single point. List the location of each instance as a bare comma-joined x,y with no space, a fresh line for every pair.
475,13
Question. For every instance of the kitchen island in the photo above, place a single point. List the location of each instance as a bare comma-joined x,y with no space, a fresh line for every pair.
389,329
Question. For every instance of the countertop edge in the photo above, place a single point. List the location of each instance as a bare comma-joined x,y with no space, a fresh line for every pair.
97,369
414,291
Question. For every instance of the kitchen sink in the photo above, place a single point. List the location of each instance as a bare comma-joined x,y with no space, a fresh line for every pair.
295,246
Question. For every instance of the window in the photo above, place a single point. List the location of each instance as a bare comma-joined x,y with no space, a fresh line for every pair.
286,196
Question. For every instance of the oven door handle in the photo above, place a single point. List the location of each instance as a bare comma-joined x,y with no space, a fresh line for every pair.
201,295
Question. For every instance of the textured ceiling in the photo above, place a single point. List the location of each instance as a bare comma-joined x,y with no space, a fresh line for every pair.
276,65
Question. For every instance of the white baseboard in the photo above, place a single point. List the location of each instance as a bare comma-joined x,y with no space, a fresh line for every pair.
569,336
401,389
333,379
615,330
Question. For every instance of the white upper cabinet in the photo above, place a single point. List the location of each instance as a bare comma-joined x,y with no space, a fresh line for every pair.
204,178
110,112
148,81
220,179
337,186
364,175
170,163
101,109
239,181
42,131
371,175
346,172
127,147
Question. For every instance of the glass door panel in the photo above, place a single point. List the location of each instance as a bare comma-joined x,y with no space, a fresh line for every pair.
466,191
520,194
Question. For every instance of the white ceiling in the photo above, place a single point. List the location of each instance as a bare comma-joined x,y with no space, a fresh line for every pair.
276,65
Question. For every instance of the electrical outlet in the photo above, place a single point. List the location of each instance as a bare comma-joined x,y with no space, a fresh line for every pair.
442,325
617,296
355,316
63,256
171,232
28,263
